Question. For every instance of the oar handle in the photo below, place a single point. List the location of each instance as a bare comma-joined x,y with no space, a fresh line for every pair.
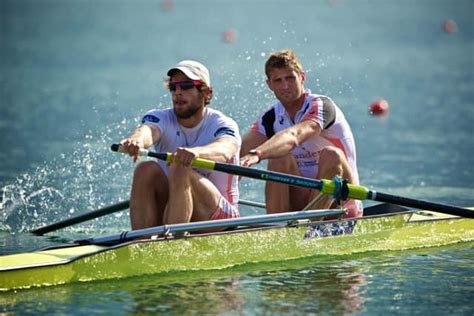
142,152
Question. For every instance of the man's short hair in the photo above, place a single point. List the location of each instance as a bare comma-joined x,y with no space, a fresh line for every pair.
281,59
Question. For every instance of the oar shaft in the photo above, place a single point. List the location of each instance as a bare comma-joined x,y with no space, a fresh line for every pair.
268,175
326,186
420,204
82,218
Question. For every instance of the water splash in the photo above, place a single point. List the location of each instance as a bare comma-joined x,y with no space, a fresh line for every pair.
21,201
85,179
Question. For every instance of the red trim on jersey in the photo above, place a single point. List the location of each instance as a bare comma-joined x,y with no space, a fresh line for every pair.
254,127
315,111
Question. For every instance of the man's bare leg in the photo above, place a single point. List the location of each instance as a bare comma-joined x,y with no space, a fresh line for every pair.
281,197
191,197
149,195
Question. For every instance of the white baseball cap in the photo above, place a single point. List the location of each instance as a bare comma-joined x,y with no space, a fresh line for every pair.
193,70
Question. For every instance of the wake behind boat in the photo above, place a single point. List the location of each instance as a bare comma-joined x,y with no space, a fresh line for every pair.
184,247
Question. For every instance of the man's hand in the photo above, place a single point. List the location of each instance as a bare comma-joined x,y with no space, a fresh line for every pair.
249,160
132,146
184,156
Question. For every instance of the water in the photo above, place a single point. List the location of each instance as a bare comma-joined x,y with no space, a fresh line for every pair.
76,76
388,284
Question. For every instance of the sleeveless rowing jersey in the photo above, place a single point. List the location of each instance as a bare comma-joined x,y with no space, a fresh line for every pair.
335,131
213,126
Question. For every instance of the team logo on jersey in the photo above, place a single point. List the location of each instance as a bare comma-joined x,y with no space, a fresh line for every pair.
224,131
150,118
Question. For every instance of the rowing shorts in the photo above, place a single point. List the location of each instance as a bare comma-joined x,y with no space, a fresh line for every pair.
354,208
225,210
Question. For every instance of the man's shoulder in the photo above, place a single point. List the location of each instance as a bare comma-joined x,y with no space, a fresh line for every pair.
327,100
276,107
221,124
215,112
313,96
156,115
218,115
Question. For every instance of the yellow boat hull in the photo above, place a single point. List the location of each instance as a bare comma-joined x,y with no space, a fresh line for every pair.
226,249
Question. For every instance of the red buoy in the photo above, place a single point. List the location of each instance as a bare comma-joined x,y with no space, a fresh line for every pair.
378,107
449,26
229,36
167,5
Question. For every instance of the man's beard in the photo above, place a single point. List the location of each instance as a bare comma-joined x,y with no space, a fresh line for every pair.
189,112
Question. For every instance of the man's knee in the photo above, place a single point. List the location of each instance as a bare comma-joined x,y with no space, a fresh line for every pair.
147,170
331,156
149,181
333,162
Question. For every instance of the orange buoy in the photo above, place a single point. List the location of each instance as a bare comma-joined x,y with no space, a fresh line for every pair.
378,107
449,26
229,36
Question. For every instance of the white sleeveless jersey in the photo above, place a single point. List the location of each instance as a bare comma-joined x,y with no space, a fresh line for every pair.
335,131
213,126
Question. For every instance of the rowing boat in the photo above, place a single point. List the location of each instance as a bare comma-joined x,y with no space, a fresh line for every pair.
187,247
219,244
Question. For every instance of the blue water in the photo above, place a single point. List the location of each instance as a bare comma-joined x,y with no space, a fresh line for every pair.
76,76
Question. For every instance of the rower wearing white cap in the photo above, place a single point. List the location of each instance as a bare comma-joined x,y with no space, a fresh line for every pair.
175,192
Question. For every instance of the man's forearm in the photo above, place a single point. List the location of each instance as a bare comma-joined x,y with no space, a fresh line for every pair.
281,144
220,151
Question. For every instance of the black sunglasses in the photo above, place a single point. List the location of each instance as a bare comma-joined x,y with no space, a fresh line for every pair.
184,85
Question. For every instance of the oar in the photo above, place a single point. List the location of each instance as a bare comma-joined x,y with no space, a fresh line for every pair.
331,187
82,218
105,211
